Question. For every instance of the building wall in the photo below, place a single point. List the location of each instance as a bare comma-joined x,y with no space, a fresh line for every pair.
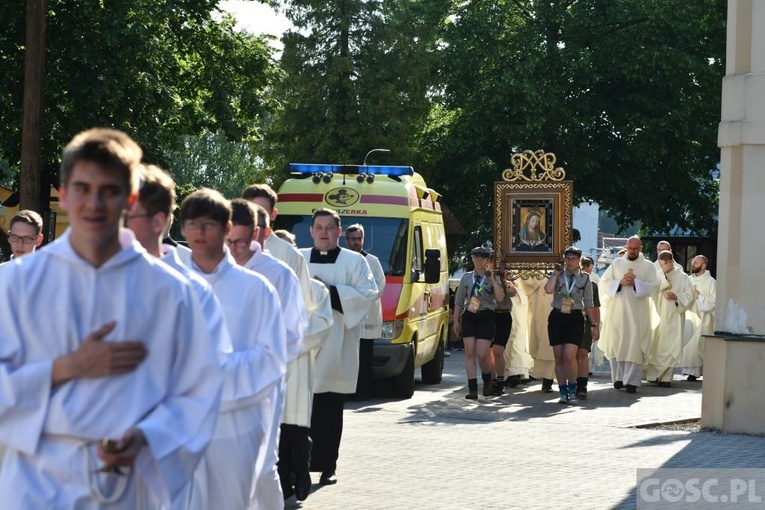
586,222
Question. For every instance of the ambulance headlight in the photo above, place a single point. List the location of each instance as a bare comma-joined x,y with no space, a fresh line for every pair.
327,178
360,178
392,329
370,178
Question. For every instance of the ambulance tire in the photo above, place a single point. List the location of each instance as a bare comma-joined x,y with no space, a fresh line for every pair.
403,383
433,370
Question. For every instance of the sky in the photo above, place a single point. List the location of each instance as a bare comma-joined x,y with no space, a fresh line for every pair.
256,17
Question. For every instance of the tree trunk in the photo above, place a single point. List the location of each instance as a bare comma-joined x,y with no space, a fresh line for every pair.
33,194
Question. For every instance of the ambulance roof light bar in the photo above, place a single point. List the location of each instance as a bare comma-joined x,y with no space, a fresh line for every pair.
308,169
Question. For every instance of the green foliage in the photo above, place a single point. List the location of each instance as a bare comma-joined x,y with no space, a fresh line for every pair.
357,76
626,94
211,160
158,70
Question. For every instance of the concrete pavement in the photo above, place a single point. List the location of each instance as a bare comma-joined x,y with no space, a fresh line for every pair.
522,450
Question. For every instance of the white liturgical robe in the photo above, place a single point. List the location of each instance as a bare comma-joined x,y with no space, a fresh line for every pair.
372,327
284,251
298,400
666,346
52,300
283,278
703,317
627,328
352,291
254,320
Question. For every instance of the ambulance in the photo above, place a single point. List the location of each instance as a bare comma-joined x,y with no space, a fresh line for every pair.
404,228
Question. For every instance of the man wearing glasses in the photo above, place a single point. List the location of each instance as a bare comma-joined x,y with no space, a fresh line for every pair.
249,230
25,234
239,451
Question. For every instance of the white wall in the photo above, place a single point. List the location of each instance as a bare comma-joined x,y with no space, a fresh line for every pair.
586,222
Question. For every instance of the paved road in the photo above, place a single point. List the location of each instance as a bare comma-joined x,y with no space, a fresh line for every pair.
523,450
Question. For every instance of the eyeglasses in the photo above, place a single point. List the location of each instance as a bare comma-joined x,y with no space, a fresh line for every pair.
239,243
200,224
21,239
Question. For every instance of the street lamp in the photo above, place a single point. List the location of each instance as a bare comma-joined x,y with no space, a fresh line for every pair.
373,150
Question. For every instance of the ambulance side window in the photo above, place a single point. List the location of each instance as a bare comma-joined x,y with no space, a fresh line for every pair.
417,253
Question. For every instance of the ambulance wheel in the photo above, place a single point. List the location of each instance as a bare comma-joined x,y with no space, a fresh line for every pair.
433,370
403,383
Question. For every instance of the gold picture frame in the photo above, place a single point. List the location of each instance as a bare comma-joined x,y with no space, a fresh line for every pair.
533,220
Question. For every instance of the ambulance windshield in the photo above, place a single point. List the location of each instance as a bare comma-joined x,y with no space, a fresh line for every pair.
385,238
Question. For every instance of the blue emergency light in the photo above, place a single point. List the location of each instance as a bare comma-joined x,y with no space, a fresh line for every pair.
308,169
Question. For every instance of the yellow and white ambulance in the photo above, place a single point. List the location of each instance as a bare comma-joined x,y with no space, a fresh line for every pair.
404,228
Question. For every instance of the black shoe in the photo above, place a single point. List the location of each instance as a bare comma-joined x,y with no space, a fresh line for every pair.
664,384
488,389
547,385
328,478
581,395
691,378
513,381
499,388
631,388
303,486
288,492
473,395
619,385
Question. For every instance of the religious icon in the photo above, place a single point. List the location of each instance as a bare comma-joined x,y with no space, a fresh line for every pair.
532,224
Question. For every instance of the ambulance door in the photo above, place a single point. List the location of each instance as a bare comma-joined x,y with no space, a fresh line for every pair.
427,325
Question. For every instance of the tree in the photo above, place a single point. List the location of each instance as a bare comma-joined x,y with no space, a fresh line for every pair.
357,75
211,160
158,70
625,93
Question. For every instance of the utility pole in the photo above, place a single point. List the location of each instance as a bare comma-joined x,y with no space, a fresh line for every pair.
32,194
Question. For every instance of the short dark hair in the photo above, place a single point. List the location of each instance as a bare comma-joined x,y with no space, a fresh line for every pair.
206,202
29,217
356,227
262,219
261,190
157,193
242,213
107,147
323,211
666,255
286,235
587,261
573,250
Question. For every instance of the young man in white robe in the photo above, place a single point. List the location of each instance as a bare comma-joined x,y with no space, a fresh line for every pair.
149,219
265,197
254,320
628,283
372,327
125,356
703,311
675,297
25,233
295,441
249,228
352,292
